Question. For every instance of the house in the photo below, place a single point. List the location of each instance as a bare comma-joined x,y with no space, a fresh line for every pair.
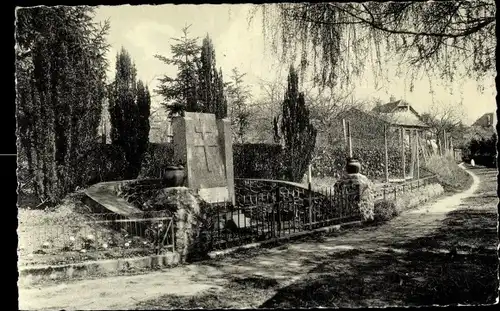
486,120
401,114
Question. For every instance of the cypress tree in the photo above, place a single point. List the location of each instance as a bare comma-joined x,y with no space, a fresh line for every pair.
211,84
61,71
144,107
129,111
298,134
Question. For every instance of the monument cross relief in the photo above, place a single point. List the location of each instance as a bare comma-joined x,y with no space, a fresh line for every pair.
204,144
200,128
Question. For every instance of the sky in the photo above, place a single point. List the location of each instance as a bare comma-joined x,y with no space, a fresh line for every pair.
146,30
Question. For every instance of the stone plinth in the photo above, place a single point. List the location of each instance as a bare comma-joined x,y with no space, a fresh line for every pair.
203,144
186,207
359,191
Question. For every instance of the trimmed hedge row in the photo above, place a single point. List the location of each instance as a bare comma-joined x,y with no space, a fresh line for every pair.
483,151
156,159
262,161
104,162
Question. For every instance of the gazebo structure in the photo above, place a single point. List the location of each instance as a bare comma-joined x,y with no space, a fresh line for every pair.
401,115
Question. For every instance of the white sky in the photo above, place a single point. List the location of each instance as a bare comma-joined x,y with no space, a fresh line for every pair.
146,30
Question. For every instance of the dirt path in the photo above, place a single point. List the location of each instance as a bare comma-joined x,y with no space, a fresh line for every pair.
263,279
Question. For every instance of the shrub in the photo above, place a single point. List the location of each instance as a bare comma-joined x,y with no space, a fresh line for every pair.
482,148
156,159
102,162
385,210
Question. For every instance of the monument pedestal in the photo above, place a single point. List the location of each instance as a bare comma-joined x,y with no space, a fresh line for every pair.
357,188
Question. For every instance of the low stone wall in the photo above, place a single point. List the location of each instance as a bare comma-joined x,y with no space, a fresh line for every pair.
138,191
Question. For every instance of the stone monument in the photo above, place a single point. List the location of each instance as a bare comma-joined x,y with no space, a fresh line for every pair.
203,144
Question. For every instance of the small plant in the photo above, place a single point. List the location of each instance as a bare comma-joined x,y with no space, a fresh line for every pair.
385,210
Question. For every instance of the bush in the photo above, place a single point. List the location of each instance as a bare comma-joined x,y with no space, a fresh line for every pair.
257,161
156,159
483,151
102,162
385,210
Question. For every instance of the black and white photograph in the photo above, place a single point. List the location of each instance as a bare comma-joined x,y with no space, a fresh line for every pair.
239,156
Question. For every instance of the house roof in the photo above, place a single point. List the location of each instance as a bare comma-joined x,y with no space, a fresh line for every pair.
393,114
389,107
492,115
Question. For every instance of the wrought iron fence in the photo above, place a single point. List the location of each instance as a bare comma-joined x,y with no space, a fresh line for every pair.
278,210
109,235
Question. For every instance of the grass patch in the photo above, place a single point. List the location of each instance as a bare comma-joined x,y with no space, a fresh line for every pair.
449,175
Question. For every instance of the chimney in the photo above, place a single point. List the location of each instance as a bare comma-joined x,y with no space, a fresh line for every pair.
392,99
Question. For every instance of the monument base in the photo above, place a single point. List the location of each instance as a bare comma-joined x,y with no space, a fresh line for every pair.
214,195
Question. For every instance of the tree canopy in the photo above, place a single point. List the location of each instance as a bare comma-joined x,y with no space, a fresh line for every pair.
451,39
198,86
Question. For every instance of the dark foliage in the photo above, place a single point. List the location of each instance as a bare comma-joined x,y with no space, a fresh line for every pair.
60,74
483,151
257,161
298,134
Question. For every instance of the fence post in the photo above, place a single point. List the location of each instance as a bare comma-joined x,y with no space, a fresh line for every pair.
386,156
411,143
403,157
344,131
310,205
418,152
275,216
349,141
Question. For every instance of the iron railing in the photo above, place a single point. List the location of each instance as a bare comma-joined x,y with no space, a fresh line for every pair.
264,210
277,211
392,191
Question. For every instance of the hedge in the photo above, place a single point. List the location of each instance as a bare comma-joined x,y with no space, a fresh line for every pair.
257,161
157,158
483,151
332,162
250,160
264,161
102,162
